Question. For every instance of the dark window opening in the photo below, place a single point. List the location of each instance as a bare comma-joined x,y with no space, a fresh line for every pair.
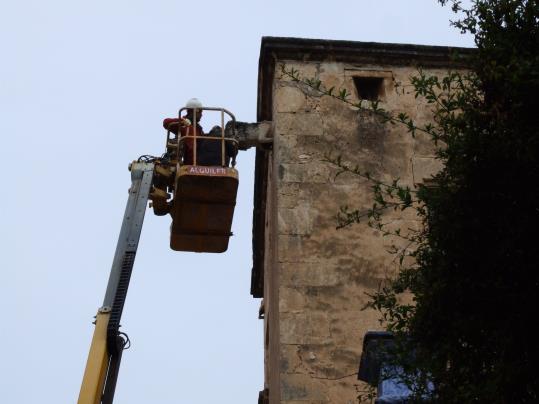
369,88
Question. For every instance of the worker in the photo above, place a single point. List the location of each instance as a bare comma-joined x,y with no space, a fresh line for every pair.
209,151
186,126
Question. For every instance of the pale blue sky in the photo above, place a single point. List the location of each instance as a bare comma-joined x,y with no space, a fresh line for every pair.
84,87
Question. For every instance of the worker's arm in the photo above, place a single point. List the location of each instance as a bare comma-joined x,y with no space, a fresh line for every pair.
173,124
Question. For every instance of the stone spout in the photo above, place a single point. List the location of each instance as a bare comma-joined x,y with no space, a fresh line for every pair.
251,134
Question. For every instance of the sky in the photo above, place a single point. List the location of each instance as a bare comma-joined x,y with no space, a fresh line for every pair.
84,87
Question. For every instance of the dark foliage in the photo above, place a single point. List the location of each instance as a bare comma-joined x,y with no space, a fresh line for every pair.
476,277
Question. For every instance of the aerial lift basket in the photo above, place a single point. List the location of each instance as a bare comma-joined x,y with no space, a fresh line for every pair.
204,197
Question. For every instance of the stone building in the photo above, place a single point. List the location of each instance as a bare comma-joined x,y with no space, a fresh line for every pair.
313,278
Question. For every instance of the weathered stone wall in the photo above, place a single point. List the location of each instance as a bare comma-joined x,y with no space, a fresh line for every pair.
316,276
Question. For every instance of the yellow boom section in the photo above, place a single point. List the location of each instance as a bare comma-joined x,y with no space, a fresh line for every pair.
96,365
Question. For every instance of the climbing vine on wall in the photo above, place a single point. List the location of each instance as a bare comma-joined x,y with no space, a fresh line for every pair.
474,272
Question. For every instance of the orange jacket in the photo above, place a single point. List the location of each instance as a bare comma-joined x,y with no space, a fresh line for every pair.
173,124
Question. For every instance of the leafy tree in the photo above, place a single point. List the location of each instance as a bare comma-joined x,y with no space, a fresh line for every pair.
474,276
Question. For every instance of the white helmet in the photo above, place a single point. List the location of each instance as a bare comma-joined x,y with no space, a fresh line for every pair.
193,103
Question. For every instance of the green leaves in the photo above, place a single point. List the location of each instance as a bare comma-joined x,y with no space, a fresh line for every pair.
343,94
471,270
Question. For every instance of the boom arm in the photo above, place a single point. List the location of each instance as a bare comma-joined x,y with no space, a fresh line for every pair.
101,373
